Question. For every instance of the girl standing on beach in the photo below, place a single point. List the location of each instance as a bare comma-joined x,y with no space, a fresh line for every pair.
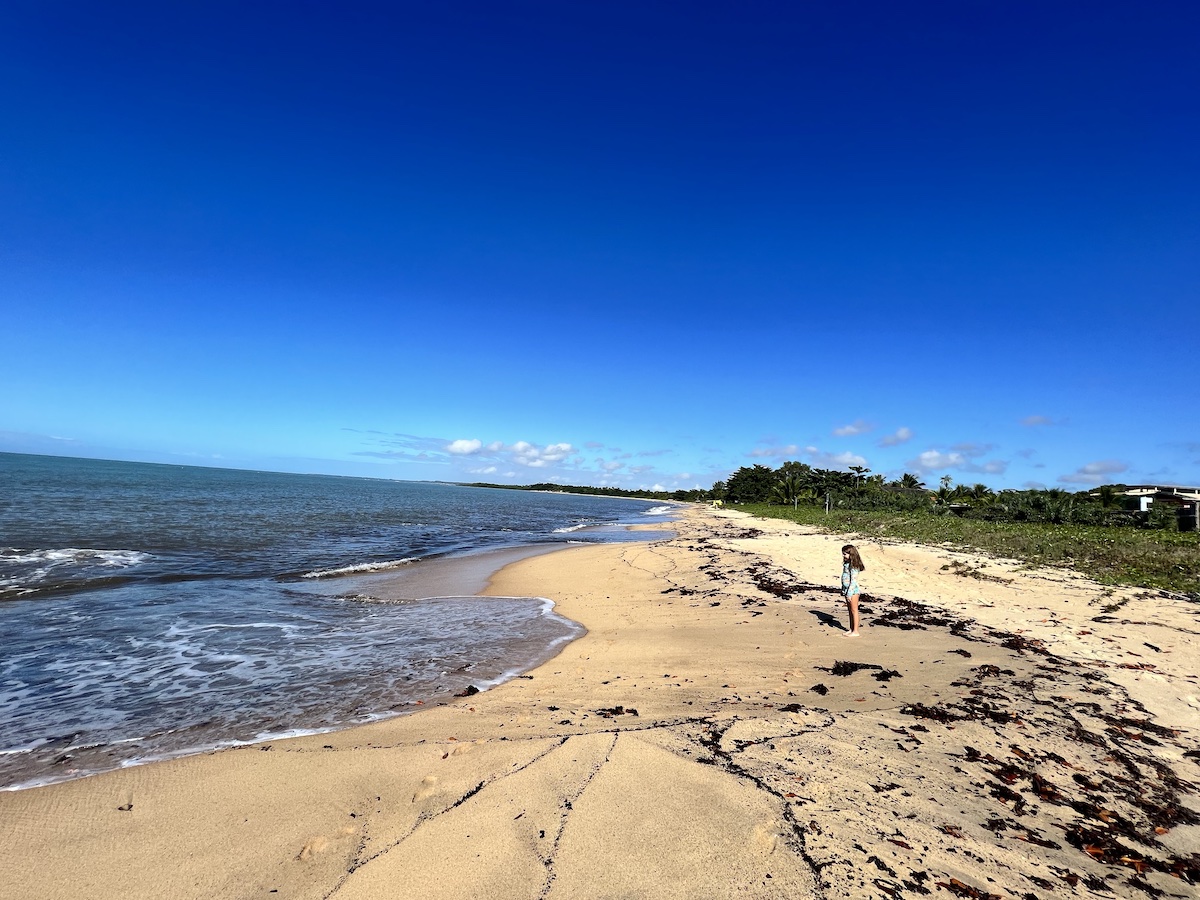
852,564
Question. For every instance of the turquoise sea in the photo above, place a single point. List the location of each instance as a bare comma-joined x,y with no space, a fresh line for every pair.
154,610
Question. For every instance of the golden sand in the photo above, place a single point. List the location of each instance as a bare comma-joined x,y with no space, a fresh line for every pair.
994,732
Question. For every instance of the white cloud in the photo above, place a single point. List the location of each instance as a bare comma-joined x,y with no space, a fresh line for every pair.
935,459
775,452
522,453
527,454
901,435
1036,421
823,460
1095,472
463,447
858,426
658,487
962,457
490,470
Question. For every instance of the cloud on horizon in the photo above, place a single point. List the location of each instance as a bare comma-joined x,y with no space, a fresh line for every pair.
901,435
820,459
961,457
1095,472
814,456
774,452
858,426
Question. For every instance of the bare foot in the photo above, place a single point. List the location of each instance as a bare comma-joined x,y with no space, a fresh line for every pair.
852,634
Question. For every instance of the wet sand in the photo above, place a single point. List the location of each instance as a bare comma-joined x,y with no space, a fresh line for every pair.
995,732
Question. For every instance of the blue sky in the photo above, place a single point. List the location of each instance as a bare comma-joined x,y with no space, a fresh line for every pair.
639,244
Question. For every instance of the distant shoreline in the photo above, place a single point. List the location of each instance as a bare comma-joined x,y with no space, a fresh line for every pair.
577,491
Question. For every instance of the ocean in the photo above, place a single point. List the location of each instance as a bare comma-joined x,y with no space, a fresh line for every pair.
149,611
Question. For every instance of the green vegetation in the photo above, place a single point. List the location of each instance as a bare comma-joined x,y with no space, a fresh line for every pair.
1100,532
1165,560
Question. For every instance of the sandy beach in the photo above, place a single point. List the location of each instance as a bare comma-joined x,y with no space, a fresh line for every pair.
995,732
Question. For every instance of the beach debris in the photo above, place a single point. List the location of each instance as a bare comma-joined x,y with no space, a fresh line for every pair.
957,567
881,865
909,615
842,668
743,535
989,670
937,713
470,691
961,889
889,888
1023,644
616,711
820,689
792,708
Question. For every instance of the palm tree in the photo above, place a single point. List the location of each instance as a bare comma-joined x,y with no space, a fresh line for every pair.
788,490
981,492
908,480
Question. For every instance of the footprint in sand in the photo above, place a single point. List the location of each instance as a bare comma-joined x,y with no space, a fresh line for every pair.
320,844
312,847
427,788
765,838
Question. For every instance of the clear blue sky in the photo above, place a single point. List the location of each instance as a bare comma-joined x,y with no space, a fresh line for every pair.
605,242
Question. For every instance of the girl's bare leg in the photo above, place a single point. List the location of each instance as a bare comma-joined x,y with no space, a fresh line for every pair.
852,603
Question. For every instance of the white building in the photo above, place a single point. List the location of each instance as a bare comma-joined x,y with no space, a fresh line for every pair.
1185,499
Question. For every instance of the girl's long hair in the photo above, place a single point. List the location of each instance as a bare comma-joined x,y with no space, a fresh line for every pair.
855,560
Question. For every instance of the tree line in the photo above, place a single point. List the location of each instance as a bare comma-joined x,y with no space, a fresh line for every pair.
796,484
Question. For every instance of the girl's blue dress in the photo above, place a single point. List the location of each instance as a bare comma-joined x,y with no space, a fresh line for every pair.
849,580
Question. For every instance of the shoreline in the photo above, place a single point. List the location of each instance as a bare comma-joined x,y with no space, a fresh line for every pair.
450,577
682,748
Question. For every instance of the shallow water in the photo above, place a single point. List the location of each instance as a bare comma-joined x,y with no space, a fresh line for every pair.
156,610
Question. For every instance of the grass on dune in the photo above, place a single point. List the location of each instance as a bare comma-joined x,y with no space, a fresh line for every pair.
1156,559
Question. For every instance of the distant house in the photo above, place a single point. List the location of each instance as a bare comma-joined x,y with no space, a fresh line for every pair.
1186,501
